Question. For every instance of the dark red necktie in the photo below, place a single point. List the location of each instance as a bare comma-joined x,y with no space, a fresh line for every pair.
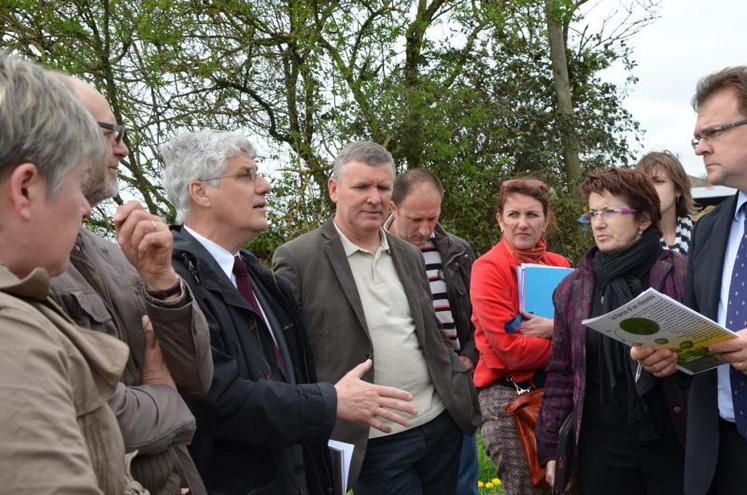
244,284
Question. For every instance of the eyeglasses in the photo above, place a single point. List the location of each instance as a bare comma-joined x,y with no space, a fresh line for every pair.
711,132
524,183
117,130
605,213
246,175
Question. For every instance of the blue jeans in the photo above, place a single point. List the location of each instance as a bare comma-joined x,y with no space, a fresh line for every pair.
421,461
468,467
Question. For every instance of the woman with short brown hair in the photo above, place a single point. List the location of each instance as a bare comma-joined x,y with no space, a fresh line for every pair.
629,425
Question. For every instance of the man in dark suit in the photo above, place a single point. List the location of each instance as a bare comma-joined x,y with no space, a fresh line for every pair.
364,292
716,448
264,424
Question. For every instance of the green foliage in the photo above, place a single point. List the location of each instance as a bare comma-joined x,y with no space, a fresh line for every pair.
462,88
574,238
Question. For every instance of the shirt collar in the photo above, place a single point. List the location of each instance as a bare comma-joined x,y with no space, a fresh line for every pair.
388,222
224,259
352,248
739,213
34,286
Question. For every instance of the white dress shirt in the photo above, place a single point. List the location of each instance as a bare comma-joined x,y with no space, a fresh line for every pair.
225,261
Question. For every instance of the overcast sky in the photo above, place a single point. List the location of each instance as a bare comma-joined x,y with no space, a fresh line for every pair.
692,38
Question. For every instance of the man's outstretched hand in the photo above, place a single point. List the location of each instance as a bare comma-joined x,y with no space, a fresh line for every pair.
362,402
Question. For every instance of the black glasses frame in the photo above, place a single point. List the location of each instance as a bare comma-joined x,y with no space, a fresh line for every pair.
118,130
710,132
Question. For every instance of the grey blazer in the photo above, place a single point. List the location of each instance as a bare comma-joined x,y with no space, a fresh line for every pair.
318,271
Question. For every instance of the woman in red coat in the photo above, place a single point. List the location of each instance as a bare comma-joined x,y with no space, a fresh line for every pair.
513,346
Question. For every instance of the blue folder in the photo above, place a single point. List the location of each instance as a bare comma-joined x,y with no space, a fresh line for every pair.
536,285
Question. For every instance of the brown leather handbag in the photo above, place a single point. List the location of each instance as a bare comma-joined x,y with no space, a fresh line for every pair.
525,409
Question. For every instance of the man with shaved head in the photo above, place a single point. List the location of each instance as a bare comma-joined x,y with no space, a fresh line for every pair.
118,291
417,195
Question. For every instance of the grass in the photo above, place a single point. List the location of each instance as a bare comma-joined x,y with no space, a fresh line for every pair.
487,474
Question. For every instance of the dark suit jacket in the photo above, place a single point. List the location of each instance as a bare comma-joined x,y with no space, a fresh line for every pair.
705,264
318,270
257,429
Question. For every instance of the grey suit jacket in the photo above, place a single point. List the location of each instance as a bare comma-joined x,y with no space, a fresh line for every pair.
705,265
319,273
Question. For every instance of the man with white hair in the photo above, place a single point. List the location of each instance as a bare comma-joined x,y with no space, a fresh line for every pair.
265,422
110,289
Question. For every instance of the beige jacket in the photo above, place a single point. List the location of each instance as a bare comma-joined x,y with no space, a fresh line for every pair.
57,431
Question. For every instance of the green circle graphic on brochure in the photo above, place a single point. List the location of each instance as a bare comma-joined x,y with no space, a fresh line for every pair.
687,344
661,341
639,326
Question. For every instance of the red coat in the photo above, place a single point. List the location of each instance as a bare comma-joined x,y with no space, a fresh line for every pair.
495,301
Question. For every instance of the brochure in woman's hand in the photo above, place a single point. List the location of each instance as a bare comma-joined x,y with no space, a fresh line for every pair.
655,319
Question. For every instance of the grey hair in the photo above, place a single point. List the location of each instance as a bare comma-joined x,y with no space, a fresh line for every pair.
198,156
41,122
368,152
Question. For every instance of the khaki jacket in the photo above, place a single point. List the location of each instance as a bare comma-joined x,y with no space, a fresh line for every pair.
57,431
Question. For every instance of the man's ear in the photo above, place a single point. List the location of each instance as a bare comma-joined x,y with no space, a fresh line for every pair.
198,193
332,188
25,186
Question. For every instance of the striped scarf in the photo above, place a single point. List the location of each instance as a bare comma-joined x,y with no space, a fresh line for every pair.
682,236
439,291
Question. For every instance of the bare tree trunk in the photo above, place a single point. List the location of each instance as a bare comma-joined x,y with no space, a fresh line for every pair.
563,91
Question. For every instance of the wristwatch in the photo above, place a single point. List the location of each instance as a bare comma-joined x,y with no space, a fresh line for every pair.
166,293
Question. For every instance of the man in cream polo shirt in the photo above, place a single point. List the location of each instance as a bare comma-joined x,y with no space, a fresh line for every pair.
399,360
364,292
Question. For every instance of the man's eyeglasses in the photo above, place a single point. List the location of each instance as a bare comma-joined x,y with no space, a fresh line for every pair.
246,175
117,130
605,213
711,132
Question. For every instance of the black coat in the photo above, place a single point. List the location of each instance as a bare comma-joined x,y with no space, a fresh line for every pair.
705,265
253,426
